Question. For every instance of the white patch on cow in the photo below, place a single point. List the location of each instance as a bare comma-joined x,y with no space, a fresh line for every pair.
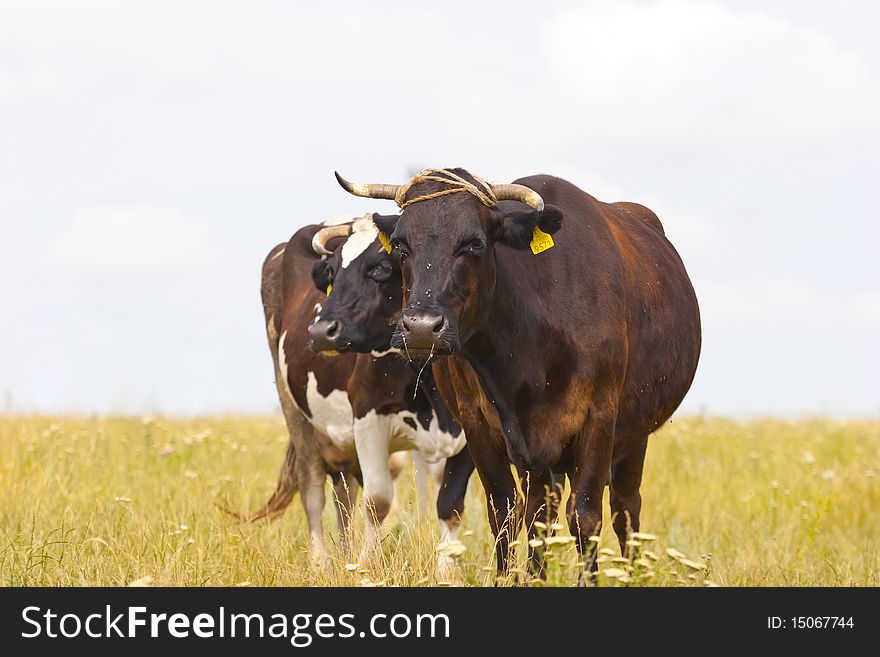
270,329
331,415
282,366
337,220
317,309
279,254
397,461
434,444
379,354
372,435
448,536
364,232
449,530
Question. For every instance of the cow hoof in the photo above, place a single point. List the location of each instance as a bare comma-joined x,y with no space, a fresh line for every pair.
447,571
367,557
320,560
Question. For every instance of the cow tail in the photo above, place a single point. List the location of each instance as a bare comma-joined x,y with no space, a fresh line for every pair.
281,498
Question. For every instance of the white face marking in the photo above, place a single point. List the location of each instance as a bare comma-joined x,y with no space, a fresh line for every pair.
337,220
364,232
282,365
331,415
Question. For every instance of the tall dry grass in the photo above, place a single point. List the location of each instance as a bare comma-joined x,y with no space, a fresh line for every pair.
121,500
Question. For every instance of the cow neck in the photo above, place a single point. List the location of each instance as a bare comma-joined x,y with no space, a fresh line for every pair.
492,360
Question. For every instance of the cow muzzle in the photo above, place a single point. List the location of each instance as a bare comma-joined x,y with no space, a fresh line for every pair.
424,335
325,336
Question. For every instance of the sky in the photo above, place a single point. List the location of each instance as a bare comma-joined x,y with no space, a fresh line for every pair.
151,154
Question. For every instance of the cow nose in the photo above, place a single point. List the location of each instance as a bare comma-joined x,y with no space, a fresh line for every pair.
423,331
324,335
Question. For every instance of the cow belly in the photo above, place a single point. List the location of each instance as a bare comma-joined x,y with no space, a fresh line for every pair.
433,443
331,415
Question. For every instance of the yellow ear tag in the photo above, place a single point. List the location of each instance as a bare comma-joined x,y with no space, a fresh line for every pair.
541,241
386,243
329,287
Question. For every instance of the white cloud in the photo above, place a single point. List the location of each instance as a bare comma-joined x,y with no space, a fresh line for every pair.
212,42
787,305
866,310
685,73
133,240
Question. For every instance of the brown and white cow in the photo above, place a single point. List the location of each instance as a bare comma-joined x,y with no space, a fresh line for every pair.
347,414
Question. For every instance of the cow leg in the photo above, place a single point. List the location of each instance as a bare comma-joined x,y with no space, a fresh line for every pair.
420,474
459,388
345,490
588,474
397,464
627,464
452,488
312,474
539,491
502,501
372,437
311,471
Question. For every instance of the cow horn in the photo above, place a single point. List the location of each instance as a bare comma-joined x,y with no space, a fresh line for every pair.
319,241
368,190
519,193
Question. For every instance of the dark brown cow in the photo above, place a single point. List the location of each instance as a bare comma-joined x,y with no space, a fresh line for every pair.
554,359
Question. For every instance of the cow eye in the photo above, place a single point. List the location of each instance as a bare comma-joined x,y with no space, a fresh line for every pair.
380,272
471,247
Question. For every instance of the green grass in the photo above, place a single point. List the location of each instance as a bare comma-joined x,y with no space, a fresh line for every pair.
111,501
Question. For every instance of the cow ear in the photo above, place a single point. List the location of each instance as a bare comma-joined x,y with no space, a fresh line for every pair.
321,274
518,228
386,223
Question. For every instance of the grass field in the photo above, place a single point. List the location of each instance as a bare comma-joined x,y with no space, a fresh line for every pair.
121,500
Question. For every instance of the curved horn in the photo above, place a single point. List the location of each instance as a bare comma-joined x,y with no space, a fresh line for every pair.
519,193
368,190
319,241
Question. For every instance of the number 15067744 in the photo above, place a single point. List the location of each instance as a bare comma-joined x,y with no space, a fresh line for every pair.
810,623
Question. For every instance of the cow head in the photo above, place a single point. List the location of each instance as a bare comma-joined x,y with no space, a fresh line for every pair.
445,241
363,286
